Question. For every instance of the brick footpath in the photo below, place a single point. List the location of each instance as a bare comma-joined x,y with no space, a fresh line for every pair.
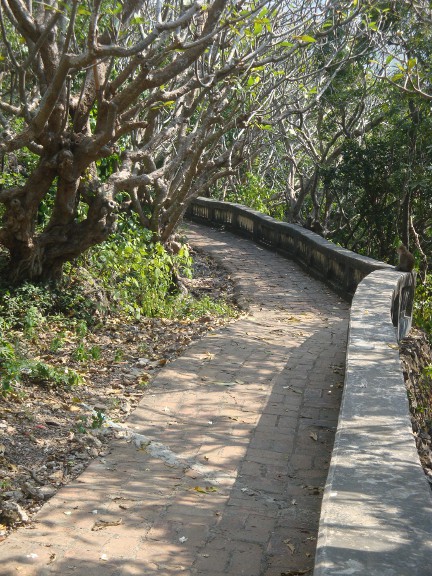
229,450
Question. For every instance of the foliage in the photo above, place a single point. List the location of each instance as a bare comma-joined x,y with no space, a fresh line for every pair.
421,402
137,277
16,369
256,194
364,187
136,274
98,418
27,307
422,315
380,187
189,307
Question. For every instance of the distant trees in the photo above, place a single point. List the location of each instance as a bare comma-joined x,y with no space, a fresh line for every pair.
349,133
325,98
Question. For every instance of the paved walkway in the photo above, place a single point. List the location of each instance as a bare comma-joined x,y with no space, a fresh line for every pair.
224,471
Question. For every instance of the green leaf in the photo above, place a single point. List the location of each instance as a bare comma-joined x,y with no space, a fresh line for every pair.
305,38
82,11
286,44
137,20
252,80
52,8
258,27
411,63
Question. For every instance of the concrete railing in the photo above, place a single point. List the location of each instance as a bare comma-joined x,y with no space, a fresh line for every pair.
338,267
341,269
376,516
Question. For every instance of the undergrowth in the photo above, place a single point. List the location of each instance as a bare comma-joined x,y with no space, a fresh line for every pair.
422,315
128,277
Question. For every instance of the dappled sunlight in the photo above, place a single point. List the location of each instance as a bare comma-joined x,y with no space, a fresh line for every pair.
221,467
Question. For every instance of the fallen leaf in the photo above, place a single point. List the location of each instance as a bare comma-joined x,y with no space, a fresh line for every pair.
224,383
199,489
205,490
290,546
314,436
101,524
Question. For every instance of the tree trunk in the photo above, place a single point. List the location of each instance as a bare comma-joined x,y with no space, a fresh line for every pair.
44,261
39,256
406,217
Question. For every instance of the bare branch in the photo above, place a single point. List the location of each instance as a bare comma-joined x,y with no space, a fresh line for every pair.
41,40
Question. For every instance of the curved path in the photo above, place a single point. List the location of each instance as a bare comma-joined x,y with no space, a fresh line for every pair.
227,454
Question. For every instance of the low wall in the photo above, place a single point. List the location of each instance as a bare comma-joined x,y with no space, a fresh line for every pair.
338,267
376,516
341,269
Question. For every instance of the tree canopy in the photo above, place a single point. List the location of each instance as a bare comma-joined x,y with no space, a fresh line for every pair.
108,106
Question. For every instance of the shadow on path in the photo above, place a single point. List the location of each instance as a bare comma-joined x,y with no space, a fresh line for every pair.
222,467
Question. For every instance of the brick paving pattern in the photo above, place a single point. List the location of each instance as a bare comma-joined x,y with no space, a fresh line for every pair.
224,469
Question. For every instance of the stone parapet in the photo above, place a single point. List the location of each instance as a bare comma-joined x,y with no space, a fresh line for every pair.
376,515
338,267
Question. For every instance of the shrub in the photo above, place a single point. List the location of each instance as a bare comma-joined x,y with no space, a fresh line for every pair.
422,316
16,370
136,274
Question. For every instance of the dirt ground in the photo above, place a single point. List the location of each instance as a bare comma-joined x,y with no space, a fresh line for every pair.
416,357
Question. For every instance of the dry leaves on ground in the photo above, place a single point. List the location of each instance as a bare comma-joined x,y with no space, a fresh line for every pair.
48,436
